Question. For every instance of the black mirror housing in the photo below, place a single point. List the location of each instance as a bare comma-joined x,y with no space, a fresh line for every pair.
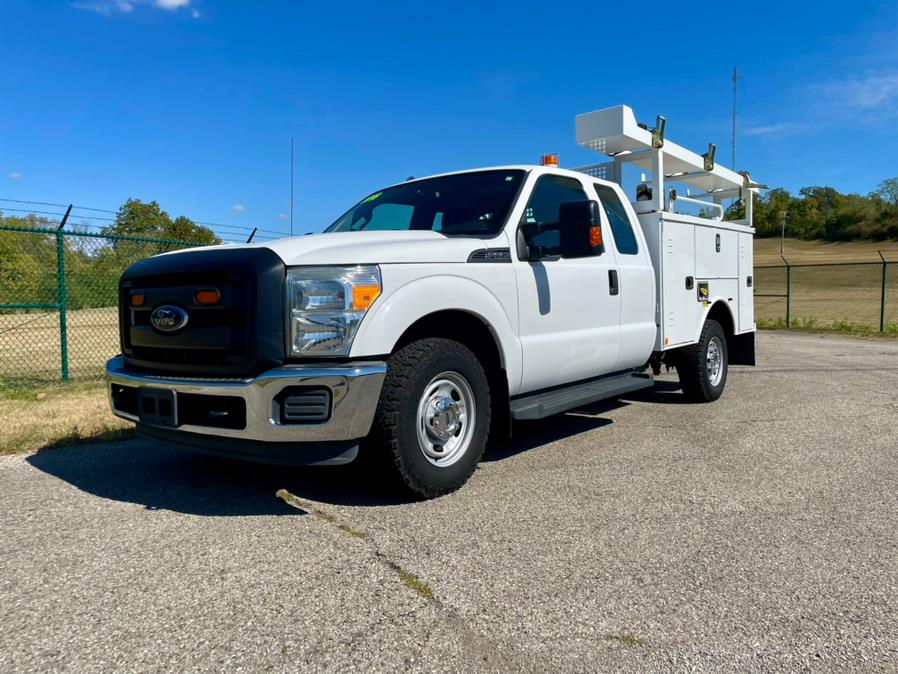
580,229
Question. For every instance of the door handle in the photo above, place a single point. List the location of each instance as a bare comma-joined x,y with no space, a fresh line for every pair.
613,285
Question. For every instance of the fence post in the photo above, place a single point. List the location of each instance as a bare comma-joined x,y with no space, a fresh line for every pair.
882,296
61,297
788,291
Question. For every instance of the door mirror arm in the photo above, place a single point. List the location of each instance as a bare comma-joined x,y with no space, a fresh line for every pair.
527,251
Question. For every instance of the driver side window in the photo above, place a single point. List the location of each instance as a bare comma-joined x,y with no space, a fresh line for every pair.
550,192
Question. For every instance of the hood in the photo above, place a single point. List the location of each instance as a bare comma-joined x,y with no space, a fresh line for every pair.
373,248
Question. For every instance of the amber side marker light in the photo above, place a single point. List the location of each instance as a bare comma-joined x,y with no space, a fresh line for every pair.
364,296
207,297
137,300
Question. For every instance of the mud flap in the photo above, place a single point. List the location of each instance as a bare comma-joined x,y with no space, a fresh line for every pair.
741,349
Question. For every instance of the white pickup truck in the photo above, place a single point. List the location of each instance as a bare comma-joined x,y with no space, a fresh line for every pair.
435,311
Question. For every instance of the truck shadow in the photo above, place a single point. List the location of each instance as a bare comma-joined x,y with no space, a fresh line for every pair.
158,477
527,435
664,392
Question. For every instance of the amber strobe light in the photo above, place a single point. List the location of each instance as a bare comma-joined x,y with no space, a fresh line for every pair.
207,297
549,160
137,300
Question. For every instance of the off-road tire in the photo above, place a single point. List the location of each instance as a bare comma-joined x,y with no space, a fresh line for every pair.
692,365
393,442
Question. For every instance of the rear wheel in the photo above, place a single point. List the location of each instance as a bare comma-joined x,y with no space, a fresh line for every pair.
433,417
702,367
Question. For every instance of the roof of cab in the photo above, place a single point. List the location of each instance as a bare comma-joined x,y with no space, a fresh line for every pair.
511,167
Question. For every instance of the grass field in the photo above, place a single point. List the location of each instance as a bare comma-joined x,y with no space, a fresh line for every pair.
30,345
51,416
767,251
844,298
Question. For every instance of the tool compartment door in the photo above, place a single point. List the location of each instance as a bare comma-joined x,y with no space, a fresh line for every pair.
679,308
746,287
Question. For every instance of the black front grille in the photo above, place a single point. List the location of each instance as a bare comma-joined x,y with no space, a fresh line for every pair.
242,334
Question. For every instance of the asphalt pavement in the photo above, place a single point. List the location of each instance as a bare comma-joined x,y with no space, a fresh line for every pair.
757,533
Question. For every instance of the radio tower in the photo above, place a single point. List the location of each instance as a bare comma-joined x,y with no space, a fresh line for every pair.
291,185
735,82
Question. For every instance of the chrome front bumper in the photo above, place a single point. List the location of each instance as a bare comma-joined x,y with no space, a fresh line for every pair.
355,389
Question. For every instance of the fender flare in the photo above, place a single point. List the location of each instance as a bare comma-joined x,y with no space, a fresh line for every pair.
392,315
717,299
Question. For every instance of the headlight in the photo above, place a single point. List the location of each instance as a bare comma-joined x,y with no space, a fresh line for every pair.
325,306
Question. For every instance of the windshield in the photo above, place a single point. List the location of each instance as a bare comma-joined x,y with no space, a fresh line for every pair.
464,204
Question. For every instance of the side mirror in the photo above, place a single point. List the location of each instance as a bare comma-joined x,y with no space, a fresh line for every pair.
527,250
580,229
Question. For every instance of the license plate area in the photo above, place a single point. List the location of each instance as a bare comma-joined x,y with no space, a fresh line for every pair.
158,406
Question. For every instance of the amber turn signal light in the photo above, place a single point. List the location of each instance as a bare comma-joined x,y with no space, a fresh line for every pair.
137,300
207,297
595,236
364,296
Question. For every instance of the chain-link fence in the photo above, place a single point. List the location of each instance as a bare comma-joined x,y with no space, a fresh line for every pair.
849,296
59,320
58,300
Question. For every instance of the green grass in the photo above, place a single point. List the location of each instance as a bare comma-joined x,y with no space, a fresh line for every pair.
767,251
412,582
33,418
840,326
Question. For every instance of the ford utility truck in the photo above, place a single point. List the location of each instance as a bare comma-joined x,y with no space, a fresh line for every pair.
436,311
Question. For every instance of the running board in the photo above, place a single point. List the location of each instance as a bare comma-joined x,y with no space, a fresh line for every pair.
546,403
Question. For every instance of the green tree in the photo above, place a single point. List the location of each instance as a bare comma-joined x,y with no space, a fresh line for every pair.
185,229
137,218
888,191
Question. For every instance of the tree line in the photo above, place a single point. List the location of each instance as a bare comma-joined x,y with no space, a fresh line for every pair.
28,261
826,213
93,265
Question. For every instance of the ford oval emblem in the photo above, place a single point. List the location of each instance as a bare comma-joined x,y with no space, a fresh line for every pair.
168,318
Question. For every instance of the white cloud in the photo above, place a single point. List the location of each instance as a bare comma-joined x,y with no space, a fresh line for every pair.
872,95
106,7
770,129
238,208
282,216
15,175
111,7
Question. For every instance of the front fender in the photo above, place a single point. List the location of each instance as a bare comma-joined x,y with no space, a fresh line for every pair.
409,296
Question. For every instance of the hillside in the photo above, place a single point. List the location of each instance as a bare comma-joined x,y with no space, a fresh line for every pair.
767,251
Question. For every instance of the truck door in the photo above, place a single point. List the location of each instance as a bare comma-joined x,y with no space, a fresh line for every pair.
568,308
637,283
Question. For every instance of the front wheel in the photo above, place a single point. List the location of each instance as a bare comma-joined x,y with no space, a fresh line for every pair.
702,367
433,417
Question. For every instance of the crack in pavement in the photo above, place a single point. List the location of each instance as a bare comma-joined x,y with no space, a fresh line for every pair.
484,651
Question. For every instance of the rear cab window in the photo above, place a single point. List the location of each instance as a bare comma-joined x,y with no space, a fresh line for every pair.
621,229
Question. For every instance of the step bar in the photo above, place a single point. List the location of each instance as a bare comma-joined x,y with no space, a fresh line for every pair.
554,401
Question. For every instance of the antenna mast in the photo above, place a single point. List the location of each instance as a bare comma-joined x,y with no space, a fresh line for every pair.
735,81
291,185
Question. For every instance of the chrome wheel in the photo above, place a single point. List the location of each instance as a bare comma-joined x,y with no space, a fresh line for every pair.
446,418
714,361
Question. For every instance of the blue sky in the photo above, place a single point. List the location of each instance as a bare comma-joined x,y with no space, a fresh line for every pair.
193,102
